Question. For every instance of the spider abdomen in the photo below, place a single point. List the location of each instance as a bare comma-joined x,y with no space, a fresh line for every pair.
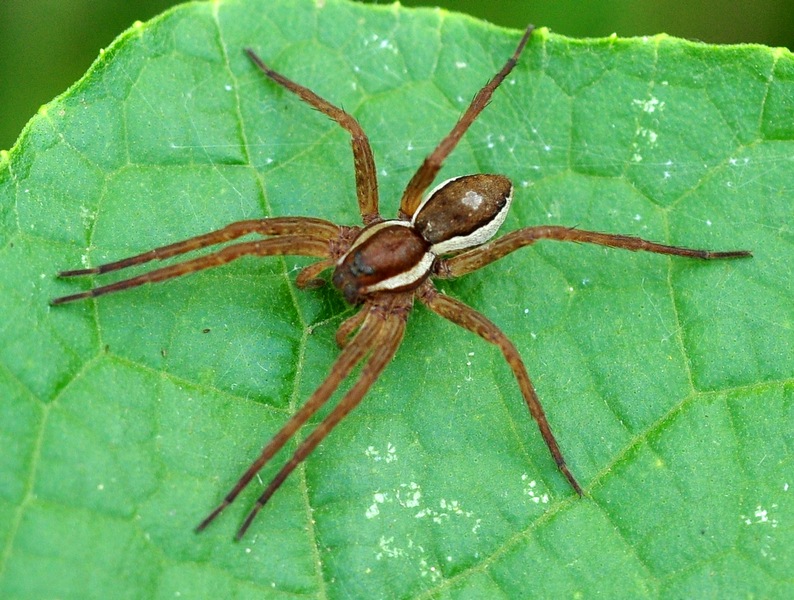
463,212
390,255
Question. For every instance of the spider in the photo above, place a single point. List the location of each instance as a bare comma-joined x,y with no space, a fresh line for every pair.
383,267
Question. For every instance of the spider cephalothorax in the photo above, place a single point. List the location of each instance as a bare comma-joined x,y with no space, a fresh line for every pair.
384,267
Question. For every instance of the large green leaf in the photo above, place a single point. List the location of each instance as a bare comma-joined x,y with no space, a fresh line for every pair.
668,382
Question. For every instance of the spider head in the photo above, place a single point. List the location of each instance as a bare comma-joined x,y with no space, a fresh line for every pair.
387,256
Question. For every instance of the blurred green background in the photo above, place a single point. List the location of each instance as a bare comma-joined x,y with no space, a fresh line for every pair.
46,45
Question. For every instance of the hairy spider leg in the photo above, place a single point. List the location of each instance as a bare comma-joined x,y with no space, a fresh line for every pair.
364,162
309,276
412,196
389,335
279,246
302,226
375,342
468,318
481,256
343,365
347,328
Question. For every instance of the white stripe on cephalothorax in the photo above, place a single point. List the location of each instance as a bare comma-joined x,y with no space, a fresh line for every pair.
368,233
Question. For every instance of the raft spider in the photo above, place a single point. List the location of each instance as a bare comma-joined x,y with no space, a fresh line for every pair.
383,267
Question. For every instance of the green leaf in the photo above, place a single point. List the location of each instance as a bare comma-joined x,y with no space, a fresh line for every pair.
668,382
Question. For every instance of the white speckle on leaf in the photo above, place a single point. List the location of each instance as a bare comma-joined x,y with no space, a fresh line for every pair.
386,44
409,495
647,134
372,512
389,456
425,570
387,549
227,87
459,64
529,490
760,517
649,106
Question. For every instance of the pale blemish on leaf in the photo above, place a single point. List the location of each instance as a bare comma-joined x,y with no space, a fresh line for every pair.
531,491
760,517
387,549
427,570
388,456
407,495
649,106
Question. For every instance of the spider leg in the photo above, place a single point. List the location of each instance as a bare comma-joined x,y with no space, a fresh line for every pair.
364,162
388,336
477,258
304,226
309,277
470,319
422,179
344,364
348,327
289,244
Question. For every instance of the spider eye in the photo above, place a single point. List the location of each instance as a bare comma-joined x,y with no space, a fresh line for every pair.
463,212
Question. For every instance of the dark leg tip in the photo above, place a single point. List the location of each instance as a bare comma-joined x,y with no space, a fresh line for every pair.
736,254
211,517
78,272
72,298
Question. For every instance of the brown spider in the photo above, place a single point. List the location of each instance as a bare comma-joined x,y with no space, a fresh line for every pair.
383,266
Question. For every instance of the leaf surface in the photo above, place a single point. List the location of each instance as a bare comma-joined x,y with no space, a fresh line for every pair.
668,382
